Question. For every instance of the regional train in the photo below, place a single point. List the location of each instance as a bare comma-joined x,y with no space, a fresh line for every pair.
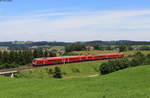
71,59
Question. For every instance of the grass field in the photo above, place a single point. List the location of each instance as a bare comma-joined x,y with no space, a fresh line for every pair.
128,83
101,52
71,70
57,47
3,47
133,52
90,52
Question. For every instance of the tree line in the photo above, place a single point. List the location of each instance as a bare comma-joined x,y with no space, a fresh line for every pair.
27,44
12,59
79,46
118,64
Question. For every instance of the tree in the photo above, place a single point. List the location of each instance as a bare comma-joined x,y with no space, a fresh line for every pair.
139,59
114,65
78,46
46,54
57,73
122,48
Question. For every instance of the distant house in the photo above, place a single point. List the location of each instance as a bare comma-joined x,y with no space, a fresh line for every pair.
4,48
34,47
62,51
89,48
136,48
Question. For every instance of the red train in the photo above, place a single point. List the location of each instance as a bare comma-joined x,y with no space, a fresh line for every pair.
70,59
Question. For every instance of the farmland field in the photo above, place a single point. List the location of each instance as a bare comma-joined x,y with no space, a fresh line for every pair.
57,47
89,52
133,52
3,47
128,83
101,52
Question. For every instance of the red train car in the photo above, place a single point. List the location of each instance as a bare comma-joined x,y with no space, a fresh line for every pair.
70,59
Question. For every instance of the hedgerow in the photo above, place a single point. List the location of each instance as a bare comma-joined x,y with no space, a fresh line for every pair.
118,64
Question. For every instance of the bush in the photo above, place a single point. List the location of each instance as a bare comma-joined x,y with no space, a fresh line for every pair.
118,64
57,73
6,65
78,46
114,65
139,59
75,70
147,61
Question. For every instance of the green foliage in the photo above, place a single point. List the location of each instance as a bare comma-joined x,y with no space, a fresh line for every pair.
144,48
81,69
102,47
114,65
78,46
75,70
57,73
6,66
22,57
45,73
128,83
138,59
122,48
147,60
118,64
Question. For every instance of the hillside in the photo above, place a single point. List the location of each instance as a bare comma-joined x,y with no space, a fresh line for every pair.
71,70
54,43
128,83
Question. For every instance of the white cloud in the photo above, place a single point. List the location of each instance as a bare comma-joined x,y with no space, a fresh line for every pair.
81,26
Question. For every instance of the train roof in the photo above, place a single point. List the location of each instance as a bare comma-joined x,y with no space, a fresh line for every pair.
74,56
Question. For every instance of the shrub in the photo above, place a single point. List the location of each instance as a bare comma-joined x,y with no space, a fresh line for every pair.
139,59
6,65
75,70
57,73
147,61
114,65
118,64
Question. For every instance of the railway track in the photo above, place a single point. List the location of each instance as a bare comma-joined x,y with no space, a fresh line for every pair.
31,67
12,70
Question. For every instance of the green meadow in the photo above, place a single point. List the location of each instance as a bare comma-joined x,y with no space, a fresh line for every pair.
127,83
71,70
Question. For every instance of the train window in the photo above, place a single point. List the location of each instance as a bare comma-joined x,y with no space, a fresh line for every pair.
55,60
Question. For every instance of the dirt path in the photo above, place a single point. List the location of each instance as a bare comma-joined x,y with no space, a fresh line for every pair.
90,76
93,75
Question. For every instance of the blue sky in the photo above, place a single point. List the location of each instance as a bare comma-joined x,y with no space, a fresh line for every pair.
75,20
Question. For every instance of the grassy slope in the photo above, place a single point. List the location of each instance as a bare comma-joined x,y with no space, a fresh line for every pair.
85,69
128,83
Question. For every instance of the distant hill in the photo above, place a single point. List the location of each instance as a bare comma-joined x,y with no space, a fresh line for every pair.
98,42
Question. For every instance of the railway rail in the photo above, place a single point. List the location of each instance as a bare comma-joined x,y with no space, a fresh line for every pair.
43,62
13,70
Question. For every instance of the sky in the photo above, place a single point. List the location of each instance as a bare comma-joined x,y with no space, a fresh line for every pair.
74,20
